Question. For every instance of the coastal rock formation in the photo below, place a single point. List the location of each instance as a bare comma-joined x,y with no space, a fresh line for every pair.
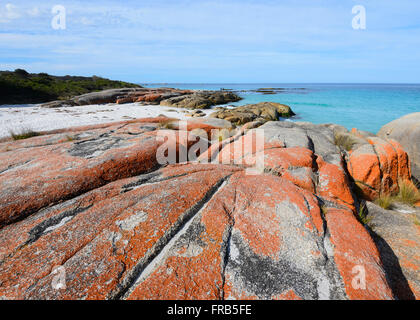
396,233
406,131
93,208
264,111
377,166
201,99
165,96
106,96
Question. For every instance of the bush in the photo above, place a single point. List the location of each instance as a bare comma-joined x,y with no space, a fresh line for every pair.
21,72
21,87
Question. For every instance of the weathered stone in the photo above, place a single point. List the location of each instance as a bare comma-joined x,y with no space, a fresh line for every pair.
201,99
121,226
396,234
166,96
264,111
33,177
378,166
406,131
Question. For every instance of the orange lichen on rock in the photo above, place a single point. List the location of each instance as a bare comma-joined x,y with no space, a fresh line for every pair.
123,225
357,257
378,166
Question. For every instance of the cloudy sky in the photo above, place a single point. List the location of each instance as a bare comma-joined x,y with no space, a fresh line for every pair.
236,41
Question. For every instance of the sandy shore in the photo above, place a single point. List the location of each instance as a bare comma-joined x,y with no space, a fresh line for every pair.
18,119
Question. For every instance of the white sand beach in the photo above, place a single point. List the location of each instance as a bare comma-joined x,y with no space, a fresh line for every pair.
35,118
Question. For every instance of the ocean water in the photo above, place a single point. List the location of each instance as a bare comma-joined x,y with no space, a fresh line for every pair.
364,106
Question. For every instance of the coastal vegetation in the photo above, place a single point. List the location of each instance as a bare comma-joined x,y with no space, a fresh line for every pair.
344,141
21,87
24,134
408,194
362,215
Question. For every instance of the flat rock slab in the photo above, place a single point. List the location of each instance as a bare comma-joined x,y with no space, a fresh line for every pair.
95,216
190,232
89,213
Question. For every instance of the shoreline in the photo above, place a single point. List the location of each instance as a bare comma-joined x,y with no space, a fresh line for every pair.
36,118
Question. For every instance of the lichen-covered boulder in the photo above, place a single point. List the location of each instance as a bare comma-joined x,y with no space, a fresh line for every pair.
201,99
264,111
95,216
190,232
50,168
378,166
165,96
406,131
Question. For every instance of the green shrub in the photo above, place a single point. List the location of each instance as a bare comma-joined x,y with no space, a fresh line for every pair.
21,87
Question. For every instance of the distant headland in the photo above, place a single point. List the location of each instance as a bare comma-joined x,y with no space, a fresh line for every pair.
22,87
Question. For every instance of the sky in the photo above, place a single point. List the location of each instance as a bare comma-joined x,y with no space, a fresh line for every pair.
210,41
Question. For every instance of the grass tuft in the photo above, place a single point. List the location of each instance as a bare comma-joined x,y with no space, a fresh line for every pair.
408,193
169,124
363,218
344,141
24,134
324,211
385,201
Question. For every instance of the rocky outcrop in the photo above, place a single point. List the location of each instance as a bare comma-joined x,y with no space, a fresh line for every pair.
106,96
406,131
91,209
201,99
264,111
165,96
377,165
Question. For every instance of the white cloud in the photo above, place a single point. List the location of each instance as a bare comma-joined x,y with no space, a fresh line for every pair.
9,13
86,21
34,12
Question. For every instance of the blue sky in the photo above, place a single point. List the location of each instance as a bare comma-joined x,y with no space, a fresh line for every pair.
234,41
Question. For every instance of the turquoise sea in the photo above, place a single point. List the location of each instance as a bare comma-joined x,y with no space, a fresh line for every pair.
364,106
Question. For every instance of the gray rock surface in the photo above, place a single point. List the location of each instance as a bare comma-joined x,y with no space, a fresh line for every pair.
395,233
318,138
